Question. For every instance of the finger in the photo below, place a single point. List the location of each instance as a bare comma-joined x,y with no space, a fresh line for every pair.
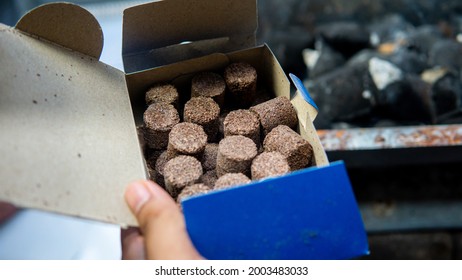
161,222
132,245
6,211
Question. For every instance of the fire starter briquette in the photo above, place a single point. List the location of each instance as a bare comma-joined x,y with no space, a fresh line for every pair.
241,80
274,112
231,179
159,119
209,84
290,144
186,139
209,178
235,155
151,163
209,158
159,168
180,172
192,190
205,112
163,92
269,164
242,122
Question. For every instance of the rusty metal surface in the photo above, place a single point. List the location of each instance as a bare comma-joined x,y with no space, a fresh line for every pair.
391,138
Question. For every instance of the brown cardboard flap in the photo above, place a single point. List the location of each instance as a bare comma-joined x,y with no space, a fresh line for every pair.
163,24
68,141
65,24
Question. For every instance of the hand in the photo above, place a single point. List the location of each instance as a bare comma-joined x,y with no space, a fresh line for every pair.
162,233
6,211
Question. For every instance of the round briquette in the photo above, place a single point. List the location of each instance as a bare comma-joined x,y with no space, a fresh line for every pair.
205,112
209,158
186,139
235,155
163,92
209,84
274,112
209,178
241,81
159,119
231,180
159,168
180,172
291,145
192,190
242,122
269,164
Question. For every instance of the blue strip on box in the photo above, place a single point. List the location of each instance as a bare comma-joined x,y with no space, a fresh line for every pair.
308,214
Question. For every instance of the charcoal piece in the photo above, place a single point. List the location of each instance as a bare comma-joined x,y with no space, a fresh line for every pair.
269,164
235,155
192,190
346,37
209,157
159,169
322,60
243,122
409,61
163,92
209,84
447,94
180,172
297,151
205,112
407,101
350,85
423,38
447,53
209,178
230,180
390,28
241,81
186,139
275,112
159,119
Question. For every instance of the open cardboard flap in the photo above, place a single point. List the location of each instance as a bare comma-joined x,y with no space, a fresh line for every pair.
68,140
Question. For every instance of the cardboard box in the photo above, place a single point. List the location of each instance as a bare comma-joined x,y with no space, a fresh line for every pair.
70,143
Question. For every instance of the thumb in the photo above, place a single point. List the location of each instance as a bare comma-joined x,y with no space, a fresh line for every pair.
161,222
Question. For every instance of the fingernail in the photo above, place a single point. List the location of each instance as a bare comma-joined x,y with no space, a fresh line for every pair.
136,196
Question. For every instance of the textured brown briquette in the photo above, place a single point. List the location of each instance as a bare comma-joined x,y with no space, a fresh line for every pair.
242,122
274,112
180,172
151,159
159,168
163,92
290,144
221,126
192,190
209,157
159,119
269,164
209,84
231,180
186,139
209,178
235,154
205,112
241,80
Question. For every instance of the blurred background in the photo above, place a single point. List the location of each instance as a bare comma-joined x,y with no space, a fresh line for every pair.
386,76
